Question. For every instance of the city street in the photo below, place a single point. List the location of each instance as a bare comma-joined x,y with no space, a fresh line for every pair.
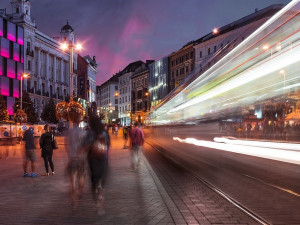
163,194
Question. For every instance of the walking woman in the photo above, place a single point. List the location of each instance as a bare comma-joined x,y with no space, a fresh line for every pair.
97,156
46,145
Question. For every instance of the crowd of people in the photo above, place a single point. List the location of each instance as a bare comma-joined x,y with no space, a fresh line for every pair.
87,148
275,130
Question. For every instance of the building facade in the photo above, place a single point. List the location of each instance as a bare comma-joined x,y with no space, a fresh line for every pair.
158,80
107,100
140,104
181,63
46,63
125,92
11,61
91,78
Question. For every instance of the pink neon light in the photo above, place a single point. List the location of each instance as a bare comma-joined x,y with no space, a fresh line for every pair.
10,105
20,35
11,69
4,86
11,31
1,27
1,63
16,90
16,55
4,48
20,71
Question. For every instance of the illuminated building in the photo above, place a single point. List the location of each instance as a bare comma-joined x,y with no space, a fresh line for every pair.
213,46
11,61
107,99
125,92
91,78
181,63
158,80
44,60
140,104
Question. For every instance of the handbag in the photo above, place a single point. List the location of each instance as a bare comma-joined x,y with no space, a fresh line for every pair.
54,143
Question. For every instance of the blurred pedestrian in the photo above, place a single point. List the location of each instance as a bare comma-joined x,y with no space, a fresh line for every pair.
46,144
97,157
77,158
29,153
125,136
137,141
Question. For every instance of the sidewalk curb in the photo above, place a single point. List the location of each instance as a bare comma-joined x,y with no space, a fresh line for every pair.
174,211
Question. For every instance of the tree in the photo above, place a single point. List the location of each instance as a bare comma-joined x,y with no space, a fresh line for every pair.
49,112
28,107
3,110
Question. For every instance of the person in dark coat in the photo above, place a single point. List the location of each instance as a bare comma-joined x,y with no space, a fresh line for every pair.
98,142
29,153
46,141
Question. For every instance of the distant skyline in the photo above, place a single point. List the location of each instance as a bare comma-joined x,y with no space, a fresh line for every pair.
119,32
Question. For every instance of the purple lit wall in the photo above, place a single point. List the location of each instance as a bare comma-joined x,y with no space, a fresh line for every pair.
4,50
1,27
20,70
16,55
11,68
22,53
11,31
20,36
10,105
16,90
4,86
1,66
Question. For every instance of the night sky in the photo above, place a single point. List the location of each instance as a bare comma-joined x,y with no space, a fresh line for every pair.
119,32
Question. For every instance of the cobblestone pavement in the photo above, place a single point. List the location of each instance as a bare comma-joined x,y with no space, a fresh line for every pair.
146,196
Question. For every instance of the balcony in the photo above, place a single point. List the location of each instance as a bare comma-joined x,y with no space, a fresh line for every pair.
29,52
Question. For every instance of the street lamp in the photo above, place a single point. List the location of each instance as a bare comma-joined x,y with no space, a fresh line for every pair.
25,75
70,46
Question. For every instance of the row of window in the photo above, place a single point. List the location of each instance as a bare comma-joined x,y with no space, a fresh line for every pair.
11,31
139,106
124,108
140,82
182,59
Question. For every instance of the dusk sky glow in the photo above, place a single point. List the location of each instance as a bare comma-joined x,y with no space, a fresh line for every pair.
119,32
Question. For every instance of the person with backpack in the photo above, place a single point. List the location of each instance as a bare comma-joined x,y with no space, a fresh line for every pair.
29,153
46,144
97,142
137,141
125,136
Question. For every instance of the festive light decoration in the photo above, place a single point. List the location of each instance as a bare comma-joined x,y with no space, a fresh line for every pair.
20,116
69,110
62,110
74,110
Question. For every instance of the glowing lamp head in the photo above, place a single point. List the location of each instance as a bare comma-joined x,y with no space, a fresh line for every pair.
265,47
282,71
215,31
25,75
64,46
116,94
78,47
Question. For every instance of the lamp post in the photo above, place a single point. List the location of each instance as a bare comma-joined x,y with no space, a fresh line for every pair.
25,75
70,46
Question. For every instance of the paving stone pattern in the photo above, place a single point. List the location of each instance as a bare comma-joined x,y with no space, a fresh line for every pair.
131,197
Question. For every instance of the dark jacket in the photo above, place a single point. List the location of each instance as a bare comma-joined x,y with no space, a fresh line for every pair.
46,144
29,139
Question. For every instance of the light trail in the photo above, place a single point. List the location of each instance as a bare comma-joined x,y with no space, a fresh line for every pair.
283,155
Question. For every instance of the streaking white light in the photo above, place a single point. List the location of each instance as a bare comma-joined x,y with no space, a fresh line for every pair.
283,155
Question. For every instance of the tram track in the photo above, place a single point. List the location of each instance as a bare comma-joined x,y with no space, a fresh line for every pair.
257,218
